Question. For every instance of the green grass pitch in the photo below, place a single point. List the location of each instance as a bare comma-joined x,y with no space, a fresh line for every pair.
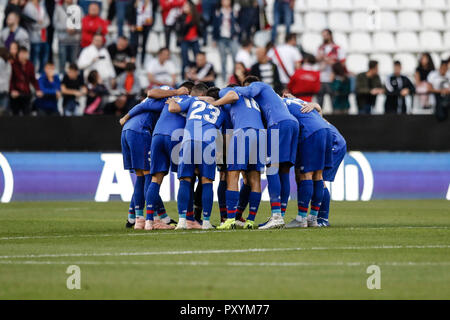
408,240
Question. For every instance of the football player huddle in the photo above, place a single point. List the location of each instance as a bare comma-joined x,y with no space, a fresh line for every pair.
239,131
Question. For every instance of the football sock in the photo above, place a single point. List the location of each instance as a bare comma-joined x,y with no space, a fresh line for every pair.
183,198
221,197
254,201
207,200
304,194
190,207
161,209
232,202
152,196
285,191
198,201
317,196
274,187
139,196
131,211
148,181
325,207
244,195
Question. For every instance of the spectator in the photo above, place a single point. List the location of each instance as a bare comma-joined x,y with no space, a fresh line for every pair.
22,77
72,87
142,22
161,70
35,9
397,87
5,66
92,24
368,87
209,15
129,85
188,31
117,108
341,87
244,54
266,70
424,68
50,85
68,38
96,57
248,19
121,53
96,94
282,10
121,10
14,32
225,34
239,74
16,6
439,85
202,71
328,54
287,57
306,81
170,10
84,4
13,51
50,8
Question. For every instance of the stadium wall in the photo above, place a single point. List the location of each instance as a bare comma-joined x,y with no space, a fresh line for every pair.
102,133
94,176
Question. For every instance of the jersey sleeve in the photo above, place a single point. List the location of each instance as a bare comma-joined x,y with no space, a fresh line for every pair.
146,106
250,91
185,104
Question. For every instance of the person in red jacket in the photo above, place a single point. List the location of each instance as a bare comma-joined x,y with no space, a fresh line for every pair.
92,24
305,82
22,77
170,10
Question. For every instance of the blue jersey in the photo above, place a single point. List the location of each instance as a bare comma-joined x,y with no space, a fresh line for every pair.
270,102
144,115
201,114
338,140
168,121
244,113
309,122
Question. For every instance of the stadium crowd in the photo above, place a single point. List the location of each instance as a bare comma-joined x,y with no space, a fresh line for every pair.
93,73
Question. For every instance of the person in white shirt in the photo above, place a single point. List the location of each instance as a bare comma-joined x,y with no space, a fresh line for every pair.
161,70
96,57
287,57
245,56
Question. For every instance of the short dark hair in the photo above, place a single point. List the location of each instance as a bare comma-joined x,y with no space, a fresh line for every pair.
162,50
251,79
73,66
444,62
246,43
188,85
232,85
372,64
202,53
213,92
200,88
397,63
291,36
22,48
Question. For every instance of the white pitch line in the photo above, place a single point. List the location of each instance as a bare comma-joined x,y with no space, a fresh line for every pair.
231,264
201,232
220,251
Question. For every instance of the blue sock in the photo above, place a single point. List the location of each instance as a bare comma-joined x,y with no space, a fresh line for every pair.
304,194
254,201
207,200
139,196
244,195
190,208
184,194
274,187
325,207
161,209
152,199
221,190
317,196
285,191
148,180
232,202
131,210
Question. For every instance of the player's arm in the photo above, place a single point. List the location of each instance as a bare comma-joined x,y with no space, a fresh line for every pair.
177,106
229,98
145,106
309,107
158,93
250,91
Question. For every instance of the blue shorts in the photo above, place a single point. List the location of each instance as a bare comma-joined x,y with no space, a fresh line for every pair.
136,150
197,155
286,146
315,152
161,151
243,153
338,156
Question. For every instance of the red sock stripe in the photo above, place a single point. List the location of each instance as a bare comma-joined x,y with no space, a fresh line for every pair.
283,209
150,211
275,204
302,209
252,213
223,209
315,208
232,211
161,213
190,213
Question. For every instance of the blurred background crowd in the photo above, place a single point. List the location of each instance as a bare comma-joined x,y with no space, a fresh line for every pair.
91,57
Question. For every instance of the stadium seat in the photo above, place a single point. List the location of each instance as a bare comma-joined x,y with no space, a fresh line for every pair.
341,39
261,38
152,43
385,63
357,63
317,5
433,20
407,41
409,20
359,21
431,41
315,21
409,62
311,42
384,42
388,21
344,5
447,18
387,4
434,4
410,4
339,21
360,42
297,27
447,40
300,6
363,4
